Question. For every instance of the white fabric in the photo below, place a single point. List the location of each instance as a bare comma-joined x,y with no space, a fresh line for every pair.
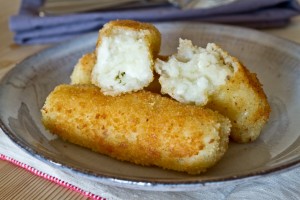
280,186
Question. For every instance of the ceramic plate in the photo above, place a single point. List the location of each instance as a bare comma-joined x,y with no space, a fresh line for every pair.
276,62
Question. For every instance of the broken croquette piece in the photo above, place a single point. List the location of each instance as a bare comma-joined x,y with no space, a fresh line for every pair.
211,77
126,51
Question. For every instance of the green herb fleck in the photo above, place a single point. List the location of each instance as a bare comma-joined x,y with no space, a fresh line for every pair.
119,76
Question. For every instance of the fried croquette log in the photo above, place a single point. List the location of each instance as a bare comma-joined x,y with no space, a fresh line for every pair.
210,76
142,127
244,102
126,51
82,71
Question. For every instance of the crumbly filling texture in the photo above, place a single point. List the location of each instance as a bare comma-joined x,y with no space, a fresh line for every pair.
193,73
123,64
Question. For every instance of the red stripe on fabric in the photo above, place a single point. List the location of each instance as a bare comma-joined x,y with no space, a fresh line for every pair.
50,178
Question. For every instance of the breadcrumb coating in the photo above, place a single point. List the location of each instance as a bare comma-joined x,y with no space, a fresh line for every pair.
125,51
243,100
211,77
143,128
82,70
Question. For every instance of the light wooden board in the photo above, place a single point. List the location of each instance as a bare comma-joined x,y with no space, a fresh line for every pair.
17,183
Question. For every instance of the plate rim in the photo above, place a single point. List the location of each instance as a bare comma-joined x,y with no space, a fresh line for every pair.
140,183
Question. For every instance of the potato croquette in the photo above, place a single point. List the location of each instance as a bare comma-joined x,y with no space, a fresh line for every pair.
210,76
142,127
244,102
126,51
82,71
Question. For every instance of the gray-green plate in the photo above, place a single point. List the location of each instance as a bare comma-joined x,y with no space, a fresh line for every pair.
276,61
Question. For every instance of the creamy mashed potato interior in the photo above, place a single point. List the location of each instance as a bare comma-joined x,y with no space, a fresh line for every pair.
124,62
193,74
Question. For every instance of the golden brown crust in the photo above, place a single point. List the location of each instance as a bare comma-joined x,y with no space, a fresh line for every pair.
82,71
244,102
241,99
143,128
152,34
242,94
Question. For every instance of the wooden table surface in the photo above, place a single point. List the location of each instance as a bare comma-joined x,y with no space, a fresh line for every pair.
17,183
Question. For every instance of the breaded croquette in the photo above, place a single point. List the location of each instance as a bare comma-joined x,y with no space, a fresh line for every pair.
244,102
126,51
82,71
142,127
210,76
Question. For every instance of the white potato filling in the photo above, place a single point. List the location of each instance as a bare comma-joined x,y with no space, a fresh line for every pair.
123,63
193,74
